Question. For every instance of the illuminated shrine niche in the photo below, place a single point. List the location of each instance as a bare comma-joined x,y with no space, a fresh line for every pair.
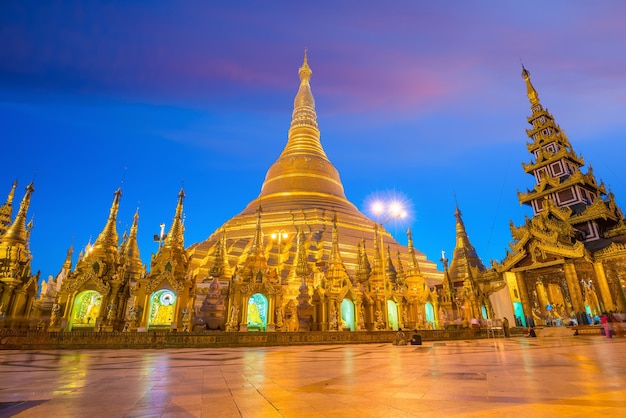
347,315
392,314
430,315
257,312
86,309
162,305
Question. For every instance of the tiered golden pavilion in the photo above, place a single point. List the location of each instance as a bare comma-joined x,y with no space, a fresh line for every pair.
301,257
568,261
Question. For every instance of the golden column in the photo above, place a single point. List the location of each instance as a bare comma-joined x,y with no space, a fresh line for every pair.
523,295
574,287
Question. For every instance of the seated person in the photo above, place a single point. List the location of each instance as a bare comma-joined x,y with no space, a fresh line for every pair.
400,338
416,339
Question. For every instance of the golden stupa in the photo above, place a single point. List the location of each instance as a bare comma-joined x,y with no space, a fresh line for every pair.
302,192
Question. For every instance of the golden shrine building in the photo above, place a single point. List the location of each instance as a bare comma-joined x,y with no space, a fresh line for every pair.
301,257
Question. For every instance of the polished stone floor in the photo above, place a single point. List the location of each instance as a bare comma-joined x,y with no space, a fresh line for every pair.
518,377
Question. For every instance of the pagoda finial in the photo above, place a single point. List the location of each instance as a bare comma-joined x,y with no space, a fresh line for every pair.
305,71
18,232
108,237
413,263
132,247
175,236
6,210
532,93
67,265
257,243
11,193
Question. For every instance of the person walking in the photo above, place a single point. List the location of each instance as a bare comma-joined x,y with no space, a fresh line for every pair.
606,324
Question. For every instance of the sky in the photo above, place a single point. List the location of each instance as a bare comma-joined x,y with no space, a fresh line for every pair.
417,100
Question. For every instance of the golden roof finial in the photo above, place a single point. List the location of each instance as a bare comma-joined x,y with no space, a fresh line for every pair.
108,238
532,93
11,193
132,248
175,234
17,232
6,210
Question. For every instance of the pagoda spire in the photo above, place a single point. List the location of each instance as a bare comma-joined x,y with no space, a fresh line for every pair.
559,179
172,252
6,210
413,267
378,256
175,236
465,255
257,242
67,264
131,251
108,238
255,261
391,273
530,89
303,167
17,232
364,269
336,269
302,267
220,264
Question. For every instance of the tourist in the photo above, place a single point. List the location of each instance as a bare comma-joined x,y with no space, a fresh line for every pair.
605,320
400,338
416,339
505,327
531,332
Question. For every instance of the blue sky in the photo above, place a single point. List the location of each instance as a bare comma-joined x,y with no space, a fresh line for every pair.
418,99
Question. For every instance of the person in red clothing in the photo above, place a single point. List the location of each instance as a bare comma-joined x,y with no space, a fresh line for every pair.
605,321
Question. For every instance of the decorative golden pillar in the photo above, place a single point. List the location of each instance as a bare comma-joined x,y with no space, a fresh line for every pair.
542,295
243,325
573,285
271,303
145,305
523,295
324,319
603,286
67,311
339,317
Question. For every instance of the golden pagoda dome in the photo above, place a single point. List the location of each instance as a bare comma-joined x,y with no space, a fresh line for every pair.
302,192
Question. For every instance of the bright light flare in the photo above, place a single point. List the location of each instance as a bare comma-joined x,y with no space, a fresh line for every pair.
378,207
387,206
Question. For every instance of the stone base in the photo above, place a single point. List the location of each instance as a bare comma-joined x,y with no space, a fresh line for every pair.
33,340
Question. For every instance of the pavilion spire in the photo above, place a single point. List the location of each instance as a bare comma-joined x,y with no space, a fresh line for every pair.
532,93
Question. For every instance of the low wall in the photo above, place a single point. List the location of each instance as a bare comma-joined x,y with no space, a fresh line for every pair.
41,340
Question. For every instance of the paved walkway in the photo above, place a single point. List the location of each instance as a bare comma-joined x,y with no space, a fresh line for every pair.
518,377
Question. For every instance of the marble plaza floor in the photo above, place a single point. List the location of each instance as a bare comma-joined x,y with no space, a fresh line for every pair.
519,377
